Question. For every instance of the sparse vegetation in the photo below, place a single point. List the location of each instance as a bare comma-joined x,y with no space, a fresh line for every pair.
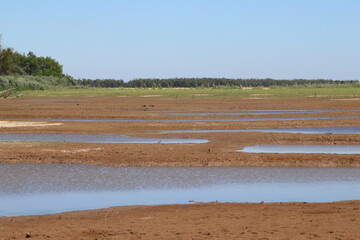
347,91
34,82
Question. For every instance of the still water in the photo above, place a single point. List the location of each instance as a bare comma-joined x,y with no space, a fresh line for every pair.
328,149
252,112
320,130
50,100
51,188
91,138
231,111
177,120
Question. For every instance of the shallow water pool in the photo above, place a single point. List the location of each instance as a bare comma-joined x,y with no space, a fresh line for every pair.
176,120
320,130
326,149
249,112
51,188
91,138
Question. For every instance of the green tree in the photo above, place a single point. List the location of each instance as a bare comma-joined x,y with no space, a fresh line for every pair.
14,63
41,66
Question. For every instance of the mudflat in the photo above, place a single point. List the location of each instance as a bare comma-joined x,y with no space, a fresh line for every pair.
338,220
220,151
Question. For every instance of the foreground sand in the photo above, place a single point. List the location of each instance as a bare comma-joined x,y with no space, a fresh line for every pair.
260,221
339,220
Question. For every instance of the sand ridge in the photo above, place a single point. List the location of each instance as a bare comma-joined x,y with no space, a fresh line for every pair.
14,124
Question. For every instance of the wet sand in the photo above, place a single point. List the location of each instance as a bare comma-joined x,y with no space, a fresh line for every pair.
220,151
340,220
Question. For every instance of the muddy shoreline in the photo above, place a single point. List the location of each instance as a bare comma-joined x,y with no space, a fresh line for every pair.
220,151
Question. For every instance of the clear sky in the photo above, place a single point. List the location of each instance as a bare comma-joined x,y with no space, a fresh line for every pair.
126,39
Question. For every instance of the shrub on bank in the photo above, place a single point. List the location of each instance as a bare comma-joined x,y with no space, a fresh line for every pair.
34,82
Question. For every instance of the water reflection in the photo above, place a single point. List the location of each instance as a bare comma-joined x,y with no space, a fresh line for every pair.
91,138
229,111
49,100
47,188
252,112
328,149
320,130
176,120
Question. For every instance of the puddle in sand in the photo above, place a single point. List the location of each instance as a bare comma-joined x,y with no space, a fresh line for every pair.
50,100
328,149
178,120
51,188
321,130
270,111
251,112
91,138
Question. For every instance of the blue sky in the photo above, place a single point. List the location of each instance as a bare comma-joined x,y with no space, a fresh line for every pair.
127,39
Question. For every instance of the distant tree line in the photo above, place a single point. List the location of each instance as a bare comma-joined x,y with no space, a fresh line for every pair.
101,83
206,82
28,71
